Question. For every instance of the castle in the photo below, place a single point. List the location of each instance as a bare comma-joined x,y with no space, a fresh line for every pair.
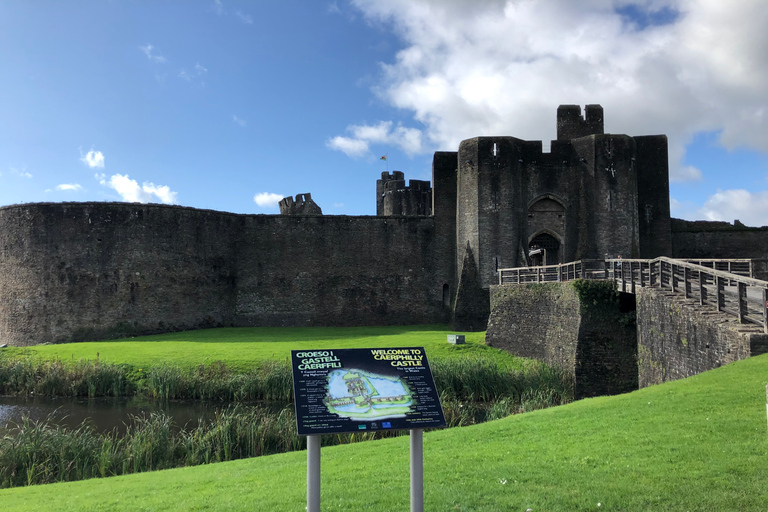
83,271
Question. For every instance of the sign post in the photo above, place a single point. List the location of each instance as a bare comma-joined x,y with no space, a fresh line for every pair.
359,390
417,470
313,473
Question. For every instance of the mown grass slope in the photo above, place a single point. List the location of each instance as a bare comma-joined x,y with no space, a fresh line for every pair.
240,347
695,444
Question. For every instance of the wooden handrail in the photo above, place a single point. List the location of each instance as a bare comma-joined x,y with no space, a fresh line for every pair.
708,284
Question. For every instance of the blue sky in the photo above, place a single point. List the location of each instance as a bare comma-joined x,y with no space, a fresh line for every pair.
229,105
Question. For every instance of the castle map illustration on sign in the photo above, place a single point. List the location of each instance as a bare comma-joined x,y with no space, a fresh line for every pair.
362,395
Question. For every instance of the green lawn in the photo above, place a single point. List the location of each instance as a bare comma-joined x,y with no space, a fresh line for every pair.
240,347
695,444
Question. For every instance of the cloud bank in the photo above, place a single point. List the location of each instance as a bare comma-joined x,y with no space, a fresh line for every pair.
495,67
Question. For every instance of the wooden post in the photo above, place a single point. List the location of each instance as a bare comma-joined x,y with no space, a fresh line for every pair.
720,294
560,273
765,310
686,283
632,275
623,278
642,276
742,289
538,274
674,278
702,288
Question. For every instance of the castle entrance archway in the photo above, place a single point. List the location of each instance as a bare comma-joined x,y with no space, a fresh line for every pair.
544,249
546,224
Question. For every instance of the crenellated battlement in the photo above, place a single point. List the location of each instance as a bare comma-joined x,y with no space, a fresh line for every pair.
571,124
394,197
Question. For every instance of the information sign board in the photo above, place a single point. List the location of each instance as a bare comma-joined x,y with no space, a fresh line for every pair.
357,390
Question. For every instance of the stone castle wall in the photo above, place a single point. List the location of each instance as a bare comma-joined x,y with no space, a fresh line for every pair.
81,271
704,239
677,339
586,333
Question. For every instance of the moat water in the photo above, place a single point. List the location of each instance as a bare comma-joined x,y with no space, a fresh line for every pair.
107,414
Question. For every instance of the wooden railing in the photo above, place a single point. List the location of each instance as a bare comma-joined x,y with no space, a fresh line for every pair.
734,293
582,269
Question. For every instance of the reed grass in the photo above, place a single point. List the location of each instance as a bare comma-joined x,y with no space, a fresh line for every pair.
39,452
30,376
472,379
472,390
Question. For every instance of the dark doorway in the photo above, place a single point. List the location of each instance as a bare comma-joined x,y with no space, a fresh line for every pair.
544,249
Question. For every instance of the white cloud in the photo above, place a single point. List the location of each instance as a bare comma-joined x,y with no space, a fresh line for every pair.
199,69
149,51
184,75
218,7
93,159
132,192
241,122
751,208
21,172
496,67
351,147
70,187
267,199
245,18
407,139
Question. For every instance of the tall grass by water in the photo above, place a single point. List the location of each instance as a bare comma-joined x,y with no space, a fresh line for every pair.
30,376
467,379
268,380
472,390
39,452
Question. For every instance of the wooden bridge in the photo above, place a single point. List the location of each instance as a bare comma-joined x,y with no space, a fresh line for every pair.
727,285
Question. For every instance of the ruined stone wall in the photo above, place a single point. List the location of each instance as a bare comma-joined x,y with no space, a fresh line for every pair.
677,338
580,327
339,270
80,271
83,271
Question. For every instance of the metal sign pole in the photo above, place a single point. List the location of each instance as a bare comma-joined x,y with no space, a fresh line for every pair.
313,473
417,470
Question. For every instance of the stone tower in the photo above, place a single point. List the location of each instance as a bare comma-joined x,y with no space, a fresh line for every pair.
594,195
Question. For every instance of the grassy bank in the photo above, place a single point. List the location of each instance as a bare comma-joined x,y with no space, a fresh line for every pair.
696,444
472,390
240,348
476,384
